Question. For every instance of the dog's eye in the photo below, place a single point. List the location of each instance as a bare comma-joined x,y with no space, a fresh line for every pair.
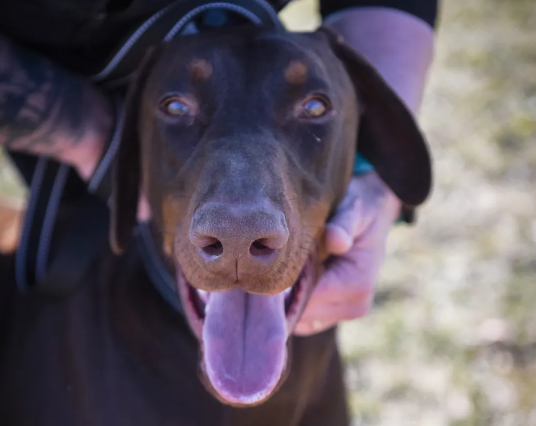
174,107
315,107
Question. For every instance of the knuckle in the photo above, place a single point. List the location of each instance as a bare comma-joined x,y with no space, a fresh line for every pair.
359,311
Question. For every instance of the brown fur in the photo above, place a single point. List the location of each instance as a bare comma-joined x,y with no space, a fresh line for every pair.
296,72
114,353
200,69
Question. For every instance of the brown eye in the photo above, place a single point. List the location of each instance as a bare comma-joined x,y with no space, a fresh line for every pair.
175,107
315,107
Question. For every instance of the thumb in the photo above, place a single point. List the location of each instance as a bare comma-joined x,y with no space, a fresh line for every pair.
341,230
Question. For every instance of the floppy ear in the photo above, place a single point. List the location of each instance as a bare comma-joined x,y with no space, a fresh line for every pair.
388,134
126,173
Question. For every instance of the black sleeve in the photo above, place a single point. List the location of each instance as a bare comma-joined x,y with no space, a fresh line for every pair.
423,9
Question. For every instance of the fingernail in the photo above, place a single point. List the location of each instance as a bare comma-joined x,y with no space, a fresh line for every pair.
343,239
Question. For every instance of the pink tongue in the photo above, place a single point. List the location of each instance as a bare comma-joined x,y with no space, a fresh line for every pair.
244,339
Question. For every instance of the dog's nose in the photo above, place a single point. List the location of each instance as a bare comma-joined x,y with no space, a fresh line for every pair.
245,237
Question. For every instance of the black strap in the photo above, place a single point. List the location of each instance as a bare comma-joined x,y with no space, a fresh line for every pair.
168,24
46,251
158,273
78,243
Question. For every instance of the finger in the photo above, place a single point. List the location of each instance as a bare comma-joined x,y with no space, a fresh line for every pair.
345,291
304,329
338,241
339,293
342,229
351,272
336,303
337,311
308,326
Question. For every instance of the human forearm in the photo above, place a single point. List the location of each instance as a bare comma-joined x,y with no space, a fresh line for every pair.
48,111
398,44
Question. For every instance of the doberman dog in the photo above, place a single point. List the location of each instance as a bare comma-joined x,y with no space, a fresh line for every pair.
243,142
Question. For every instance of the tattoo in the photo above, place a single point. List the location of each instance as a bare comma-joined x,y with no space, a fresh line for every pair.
43,108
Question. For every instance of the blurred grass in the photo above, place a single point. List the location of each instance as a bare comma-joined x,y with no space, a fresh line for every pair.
12,192
452,338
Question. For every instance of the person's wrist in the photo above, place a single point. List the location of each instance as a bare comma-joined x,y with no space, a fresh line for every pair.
363,167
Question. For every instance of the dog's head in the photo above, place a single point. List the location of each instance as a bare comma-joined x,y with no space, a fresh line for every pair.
243,142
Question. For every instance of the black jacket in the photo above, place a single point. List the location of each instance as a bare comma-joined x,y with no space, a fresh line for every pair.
76,33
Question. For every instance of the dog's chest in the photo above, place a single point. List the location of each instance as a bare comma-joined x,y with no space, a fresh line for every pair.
94,359
116,354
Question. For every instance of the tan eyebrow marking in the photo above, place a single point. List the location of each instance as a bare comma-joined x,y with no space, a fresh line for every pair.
200,69
296,72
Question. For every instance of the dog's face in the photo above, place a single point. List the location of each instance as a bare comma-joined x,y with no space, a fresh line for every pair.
243,142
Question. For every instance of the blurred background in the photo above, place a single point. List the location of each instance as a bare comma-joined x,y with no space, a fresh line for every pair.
452,337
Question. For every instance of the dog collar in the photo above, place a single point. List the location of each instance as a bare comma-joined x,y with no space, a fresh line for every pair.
173,21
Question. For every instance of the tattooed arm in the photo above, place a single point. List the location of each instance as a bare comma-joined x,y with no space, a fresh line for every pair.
48,111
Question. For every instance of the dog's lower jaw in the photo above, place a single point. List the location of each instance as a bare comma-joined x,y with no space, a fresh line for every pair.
244,354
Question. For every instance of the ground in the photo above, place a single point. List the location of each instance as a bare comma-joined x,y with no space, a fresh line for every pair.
452,337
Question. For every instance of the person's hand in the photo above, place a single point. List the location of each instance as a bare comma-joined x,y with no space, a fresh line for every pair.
356,237
57,114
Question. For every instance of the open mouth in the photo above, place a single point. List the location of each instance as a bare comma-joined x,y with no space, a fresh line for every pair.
243,336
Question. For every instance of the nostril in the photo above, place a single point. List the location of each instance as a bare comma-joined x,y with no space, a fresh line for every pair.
213,248
259,248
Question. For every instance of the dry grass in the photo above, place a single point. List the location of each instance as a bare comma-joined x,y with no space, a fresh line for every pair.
452,339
